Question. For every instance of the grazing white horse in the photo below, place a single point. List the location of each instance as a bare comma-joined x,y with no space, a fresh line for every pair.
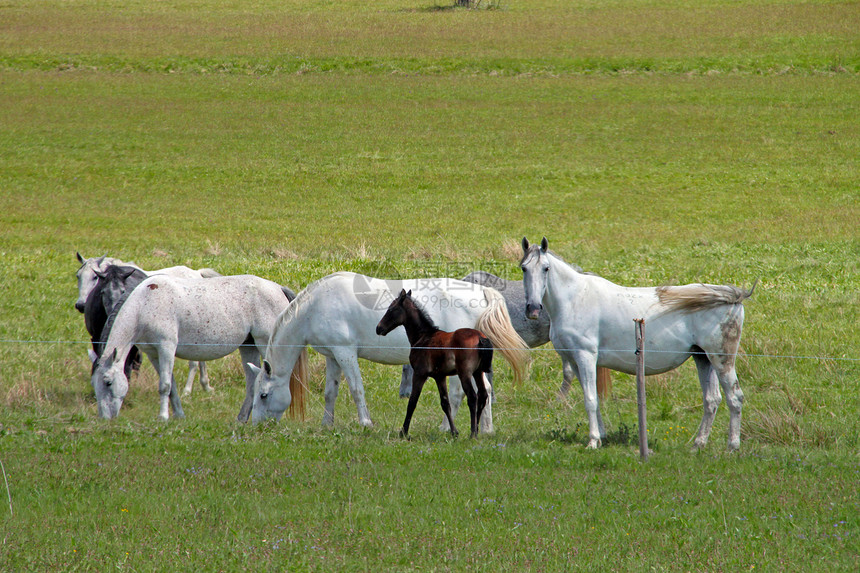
337,315
88,277
194,319
591,324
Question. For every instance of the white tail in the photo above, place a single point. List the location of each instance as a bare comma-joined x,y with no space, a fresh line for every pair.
496,324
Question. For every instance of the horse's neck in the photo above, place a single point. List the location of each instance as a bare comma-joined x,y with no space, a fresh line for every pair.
417,326
123,332
563,284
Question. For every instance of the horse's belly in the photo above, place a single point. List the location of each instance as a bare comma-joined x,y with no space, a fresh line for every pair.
655,362
203,351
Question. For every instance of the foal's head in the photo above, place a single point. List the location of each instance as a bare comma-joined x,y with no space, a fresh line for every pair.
397,313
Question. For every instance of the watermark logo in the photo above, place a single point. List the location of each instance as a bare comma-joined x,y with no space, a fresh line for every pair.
437,283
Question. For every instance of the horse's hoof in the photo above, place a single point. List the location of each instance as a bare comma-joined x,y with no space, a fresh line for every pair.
593,444
404,434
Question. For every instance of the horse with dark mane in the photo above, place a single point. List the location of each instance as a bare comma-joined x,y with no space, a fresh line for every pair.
436,353
112,283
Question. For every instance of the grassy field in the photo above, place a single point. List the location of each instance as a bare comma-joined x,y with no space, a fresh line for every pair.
652,142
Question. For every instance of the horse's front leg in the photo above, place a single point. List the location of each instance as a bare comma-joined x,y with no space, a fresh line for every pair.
586,366
442,384
167,390
347,358
417,386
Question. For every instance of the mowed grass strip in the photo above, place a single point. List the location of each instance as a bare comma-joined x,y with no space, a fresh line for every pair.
529,37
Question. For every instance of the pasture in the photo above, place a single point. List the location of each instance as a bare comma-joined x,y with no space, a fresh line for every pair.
653,142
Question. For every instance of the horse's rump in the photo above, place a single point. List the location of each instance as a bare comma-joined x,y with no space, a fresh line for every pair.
696,297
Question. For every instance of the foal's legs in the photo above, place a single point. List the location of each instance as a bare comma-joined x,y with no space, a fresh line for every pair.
456,393
466,384
417,386
442,384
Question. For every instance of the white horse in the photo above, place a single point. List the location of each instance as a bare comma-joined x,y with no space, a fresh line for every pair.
88,277
591,324
194,319
337,315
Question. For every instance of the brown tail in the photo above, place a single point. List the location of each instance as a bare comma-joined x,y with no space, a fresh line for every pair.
496,324
298,387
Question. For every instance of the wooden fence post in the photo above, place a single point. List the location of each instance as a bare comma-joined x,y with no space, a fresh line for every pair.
640,387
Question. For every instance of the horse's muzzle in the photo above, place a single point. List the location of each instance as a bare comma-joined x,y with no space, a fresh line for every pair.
79,307
533,311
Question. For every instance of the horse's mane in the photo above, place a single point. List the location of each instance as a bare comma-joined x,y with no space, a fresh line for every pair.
296,302
423,314
112,317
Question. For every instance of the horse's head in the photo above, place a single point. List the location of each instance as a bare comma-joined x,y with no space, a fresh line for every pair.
273,396
110,385
115,282
535,266
87,278
396,314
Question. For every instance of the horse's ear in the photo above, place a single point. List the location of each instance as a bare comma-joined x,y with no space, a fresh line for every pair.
409,293
93,356
525,244
108,361
99,273
80,258
254,368
129,271
544,245
267,367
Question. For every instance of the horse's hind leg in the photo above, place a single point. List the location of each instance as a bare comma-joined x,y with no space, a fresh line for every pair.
333,375
347,358
167,390
734,398
193,367
442,384
711,398
204,377
406,381
471,399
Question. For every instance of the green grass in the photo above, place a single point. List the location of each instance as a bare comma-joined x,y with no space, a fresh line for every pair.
652,142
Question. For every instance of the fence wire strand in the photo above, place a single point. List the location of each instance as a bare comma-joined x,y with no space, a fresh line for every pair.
538,349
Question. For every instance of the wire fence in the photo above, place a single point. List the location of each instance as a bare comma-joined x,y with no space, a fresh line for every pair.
537,349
